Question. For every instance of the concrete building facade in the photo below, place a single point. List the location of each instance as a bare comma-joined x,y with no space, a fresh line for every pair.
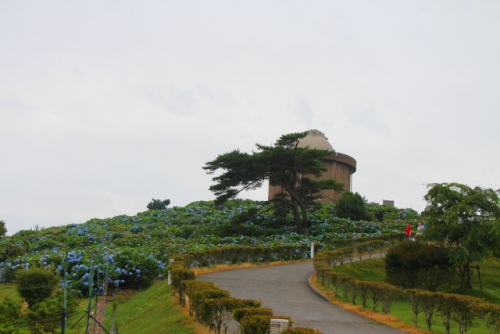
340,166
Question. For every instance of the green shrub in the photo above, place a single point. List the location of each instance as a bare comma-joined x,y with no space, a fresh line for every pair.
255,324
179,275
351,205
200,295
10,317
241,312
259,324
414,265
490,313
10,249
217,312
35,285
191,286
45,316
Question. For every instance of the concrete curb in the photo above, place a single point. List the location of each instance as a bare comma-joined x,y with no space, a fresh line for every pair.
321,294
313,288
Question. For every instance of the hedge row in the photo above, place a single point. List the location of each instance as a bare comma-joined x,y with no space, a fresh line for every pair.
348,253
246,254
216,314
461,309
256,254
344,243
215,308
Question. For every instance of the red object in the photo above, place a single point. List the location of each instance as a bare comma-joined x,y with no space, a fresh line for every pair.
408,230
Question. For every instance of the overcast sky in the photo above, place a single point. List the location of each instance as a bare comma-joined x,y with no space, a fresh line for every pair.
105,105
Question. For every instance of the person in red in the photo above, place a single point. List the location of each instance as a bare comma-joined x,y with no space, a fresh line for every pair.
408,231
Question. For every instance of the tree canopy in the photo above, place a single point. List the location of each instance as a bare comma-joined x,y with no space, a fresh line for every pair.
157,204
465,219
351,205
416,265
3,229
36,284
285,164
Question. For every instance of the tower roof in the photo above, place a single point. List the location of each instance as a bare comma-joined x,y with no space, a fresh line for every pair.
316,139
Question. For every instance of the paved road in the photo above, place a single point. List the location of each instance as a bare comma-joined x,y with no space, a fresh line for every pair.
285,289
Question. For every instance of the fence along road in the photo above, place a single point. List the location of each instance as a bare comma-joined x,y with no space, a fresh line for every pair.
286,291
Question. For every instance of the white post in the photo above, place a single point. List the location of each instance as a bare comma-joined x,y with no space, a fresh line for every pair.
277,326
312,250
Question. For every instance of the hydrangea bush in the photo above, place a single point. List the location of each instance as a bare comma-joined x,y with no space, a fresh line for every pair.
133,251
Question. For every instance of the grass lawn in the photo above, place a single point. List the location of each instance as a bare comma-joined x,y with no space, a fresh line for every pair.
373,270
153,310
490,279
9,291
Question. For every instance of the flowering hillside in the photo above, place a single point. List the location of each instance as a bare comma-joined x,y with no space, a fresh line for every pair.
133,251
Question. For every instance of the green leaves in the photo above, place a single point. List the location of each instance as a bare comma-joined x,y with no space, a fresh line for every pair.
36,285
3,229
351,205
10,316
465,219
157,204
285,164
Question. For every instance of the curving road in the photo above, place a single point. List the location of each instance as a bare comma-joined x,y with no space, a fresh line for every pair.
285,289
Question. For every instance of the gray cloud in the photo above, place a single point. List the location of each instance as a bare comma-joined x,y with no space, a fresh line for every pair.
103,107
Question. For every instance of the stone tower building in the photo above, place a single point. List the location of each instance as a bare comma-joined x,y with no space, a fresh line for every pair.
340,167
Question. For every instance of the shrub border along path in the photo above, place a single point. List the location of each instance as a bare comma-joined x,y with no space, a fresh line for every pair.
386,319
246,284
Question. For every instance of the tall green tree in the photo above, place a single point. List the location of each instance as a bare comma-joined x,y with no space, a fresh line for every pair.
294,169
158,204
381,212
467,220
351,205
3,229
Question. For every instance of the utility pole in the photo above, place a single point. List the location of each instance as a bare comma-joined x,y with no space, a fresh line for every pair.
96,326
100,306
114,326
100,312
65,297
91,286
